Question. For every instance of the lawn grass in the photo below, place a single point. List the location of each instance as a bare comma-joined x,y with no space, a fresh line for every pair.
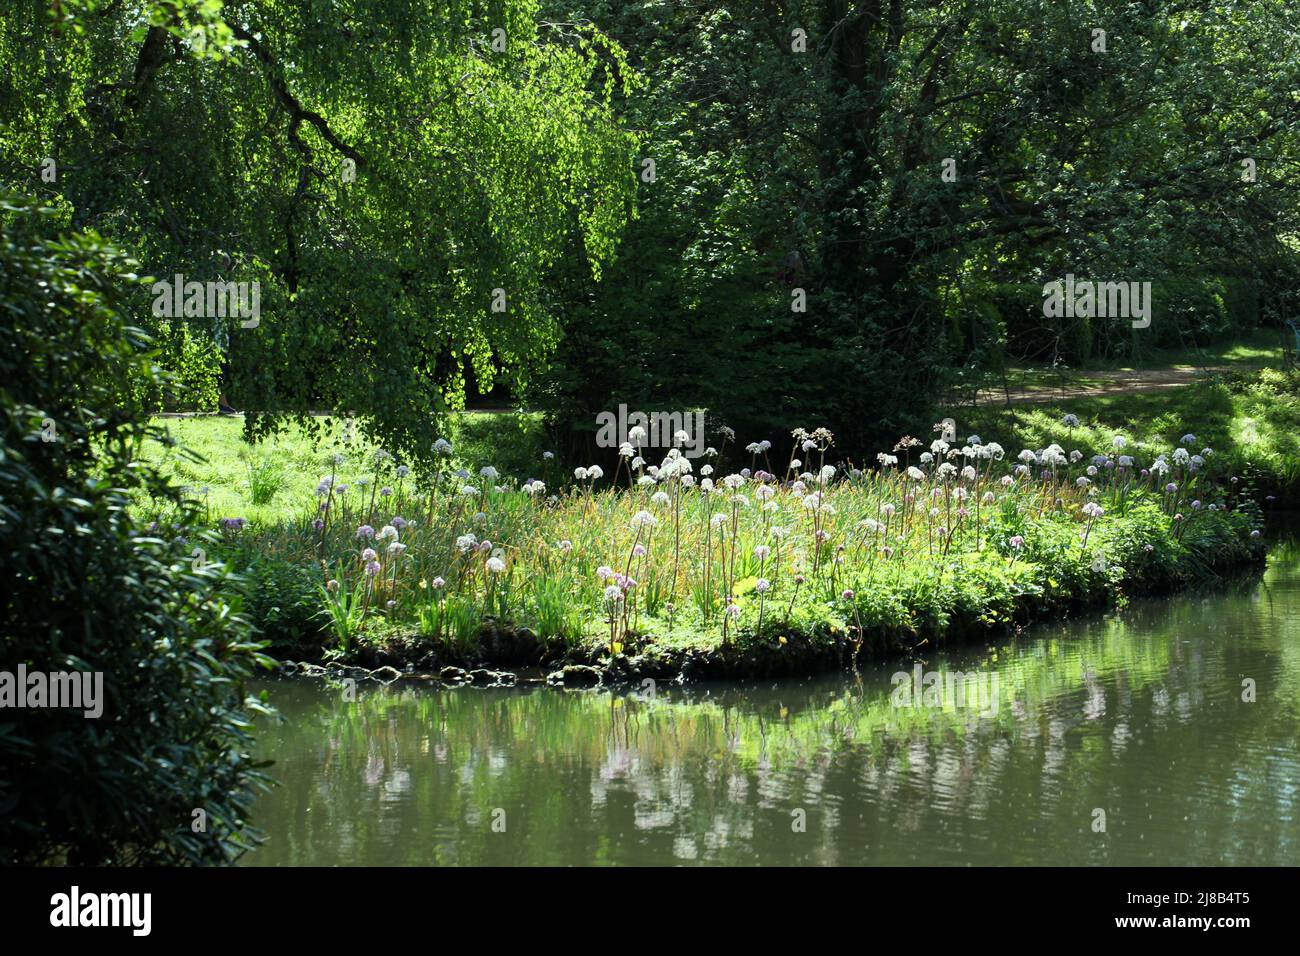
289,465
1254,350
1252,421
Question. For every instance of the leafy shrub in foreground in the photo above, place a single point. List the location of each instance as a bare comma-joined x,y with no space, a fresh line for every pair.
89,590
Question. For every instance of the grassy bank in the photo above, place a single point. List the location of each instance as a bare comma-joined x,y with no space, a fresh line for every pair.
1251,418
780,568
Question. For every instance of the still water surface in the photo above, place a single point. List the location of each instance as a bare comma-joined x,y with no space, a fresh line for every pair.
1139,715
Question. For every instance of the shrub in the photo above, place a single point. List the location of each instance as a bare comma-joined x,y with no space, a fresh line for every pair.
87,589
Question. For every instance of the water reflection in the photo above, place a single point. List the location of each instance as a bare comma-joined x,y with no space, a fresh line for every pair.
1139,715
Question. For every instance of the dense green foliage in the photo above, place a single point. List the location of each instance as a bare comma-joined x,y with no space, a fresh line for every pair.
1117,164
87,588
380,171
916,169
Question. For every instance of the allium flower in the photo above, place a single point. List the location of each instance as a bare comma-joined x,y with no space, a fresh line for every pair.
660,498
989,498
318,524
916,474
580,473
387,533
396,548
644,519
469,491
365,532
331,585
1255,533
369,554
565,546
496,565
887,510
638,551
372,568
1017,542
390,605
442,447
732,611
1188,439
466,542
846,594
761,585
398,522
324,487
1093,510
1070,421
637,435
604,572
762,552
594,472
547,455
613,594
488,472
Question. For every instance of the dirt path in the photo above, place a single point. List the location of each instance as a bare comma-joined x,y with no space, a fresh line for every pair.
1089,384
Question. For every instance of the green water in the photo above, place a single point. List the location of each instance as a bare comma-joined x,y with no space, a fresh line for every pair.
1139,715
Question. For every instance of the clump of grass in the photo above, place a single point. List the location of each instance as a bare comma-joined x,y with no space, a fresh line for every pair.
265,480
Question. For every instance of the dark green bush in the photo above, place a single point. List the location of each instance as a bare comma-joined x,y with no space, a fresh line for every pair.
281,600
87,589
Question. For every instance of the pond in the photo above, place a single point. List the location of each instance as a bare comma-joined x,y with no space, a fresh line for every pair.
1124,740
